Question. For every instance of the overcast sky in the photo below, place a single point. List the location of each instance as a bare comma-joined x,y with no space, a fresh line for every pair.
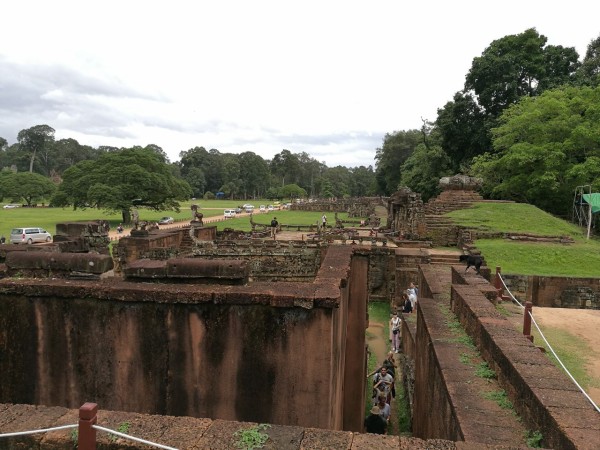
329,78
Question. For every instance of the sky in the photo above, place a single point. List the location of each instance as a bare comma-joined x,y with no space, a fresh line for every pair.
329,78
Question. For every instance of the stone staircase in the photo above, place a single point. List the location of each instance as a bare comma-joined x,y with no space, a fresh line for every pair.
440,229
186,241
451,200
443,259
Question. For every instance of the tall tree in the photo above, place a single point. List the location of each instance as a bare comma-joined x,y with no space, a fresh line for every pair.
118,181
34,140
589,71
546,146
286,166
463,130
396,149
516,66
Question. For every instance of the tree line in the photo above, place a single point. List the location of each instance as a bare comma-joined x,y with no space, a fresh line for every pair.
39,168
527,121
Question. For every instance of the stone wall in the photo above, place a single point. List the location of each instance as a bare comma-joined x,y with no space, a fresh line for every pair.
541,393
188,433
557,292
265,352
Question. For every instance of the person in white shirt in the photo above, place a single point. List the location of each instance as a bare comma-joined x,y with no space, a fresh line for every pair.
395,324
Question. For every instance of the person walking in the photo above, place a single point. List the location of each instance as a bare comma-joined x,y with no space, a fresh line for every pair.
274,225
395,324
324,221
374,423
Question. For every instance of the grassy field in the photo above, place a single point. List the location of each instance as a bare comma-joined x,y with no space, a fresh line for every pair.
48,217
580,259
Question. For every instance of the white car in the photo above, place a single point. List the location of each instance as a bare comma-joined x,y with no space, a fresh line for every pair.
262,208
229,213
166,220
270,208
29,235
10,206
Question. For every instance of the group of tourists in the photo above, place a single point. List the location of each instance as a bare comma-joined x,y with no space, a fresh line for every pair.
384,376
383,392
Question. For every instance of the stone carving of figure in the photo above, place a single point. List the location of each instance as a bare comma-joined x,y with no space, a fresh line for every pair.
135,216
197,216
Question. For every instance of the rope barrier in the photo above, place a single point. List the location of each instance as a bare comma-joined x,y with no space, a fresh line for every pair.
42,430
551,349
133,438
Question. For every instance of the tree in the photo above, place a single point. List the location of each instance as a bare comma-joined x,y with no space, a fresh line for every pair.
254,176
396,149
463,130
516,66
30,187
196,180
34,140
423,170
118,181
589,71
293,191
285,165
546,146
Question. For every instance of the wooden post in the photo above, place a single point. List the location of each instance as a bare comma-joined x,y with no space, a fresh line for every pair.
498,284
88,416
527,321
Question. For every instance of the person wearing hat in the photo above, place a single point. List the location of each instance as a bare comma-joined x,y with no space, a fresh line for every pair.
274,225
374,423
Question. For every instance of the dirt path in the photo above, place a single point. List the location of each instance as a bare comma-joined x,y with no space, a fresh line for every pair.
379,345
584,324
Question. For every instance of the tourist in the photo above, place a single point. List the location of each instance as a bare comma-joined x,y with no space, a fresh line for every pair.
324,221
120,228
374,423
407,304
384,409
383,381
413,289
395,324
274,225
413,298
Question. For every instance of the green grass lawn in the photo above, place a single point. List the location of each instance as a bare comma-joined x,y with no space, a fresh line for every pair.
48,217
580,259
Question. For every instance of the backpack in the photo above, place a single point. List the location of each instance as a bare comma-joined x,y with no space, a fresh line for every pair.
273,223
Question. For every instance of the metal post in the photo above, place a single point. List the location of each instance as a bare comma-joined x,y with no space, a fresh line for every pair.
88,416
527,321
498,284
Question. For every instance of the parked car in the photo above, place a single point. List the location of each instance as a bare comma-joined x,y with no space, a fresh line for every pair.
270,208
262,208
238,210
249,208
166,220
228,213
29,235
10,206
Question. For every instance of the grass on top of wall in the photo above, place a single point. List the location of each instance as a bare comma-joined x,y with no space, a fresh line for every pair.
515,218
579,259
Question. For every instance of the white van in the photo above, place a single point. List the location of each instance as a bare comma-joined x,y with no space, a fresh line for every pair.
229,213
29,235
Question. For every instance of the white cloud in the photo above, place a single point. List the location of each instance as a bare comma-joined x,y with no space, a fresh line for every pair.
328,78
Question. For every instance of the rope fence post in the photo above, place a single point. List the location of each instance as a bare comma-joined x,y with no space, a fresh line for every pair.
88,416
498,284
527,321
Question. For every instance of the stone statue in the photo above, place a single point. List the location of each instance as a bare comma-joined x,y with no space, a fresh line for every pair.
197,216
